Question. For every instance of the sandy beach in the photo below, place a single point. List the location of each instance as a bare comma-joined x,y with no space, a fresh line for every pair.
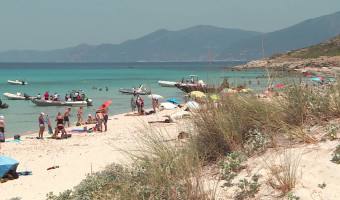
77,156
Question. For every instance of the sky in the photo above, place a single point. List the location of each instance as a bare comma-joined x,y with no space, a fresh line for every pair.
55,24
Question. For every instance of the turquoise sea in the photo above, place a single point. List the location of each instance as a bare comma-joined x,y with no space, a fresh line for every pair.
22,116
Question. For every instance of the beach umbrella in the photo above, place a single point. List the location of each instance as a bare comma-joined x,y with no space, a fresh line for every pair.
198,94
155,96
192,104
215,97
281,85
173,101
107,103
168,105
7,164
316,80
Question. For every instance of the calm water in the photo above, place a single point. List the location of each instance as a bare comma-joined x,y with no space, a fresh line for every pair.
22,116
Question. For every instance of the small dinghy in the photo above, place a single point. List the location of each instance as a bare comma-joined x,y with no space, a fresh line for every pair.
17,82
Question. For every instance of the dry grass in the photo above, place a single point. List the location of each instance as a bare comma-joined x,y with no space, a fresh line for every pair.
286,172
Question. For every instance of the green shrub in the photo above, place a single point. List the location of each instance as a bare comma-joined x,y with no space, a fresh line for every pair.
248,189
332,131
336,155
256,142
231,166
291,196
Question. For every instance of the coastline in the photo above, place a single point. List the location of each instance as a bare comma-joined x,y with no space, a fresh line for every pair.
82,154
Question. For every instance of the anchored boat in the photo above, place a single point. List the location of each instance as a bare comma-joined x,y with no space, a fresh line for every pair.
17,82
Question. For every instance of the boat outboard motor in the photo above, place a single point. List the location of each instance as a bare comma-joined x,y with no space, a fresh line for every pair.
27,97
23,82
89,102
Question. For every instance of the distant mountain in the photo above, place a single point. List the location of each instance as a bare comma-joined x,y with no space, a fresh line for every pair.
301,35
192,44
189,44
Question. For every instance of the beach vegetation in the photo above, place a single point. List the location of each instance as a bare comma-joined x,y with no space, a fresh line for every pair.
291,196
336,155
231,166
284,176
332,131
257,142
248,188
322,185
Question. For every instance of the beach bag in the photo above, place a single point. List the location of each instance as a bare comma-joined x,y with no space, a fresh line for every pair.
78,124
17,137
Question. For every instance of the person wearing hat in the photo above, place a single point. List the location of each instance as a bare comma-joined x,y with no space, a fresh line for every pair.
41,124
89,119
2,128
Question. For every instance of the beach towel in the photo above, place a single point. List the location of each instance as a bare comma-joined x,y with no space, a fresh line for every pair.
76,131
48,122
15,141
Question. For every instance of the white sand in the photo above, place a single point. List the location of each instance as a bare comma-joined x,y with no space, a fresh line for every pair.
76,155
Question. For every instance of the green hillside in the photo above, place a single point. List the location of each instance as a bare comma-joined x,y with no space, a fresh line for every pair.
327,48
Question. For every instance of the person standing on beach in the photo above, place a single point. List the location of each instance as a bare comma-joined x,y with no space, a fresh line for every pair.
2,138
105,111
133,105
154,104
41,125
141,105
60,127
100,119
138,103
2,126
2,129
46,96
66,117
80,114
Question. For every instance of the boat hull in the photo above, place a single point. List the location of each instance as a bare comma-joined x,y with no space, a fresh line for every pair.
126,91
41,102
10,96
17,82
167,83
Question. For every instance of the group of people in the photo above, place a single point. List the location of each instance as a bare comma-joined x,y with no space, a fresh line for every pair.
62,120
137,103
56,97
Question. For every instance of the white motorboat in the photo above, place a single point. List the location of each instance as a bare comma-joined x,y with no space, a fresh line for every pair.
76,98
17,82
17,96
42,102
141,90
191,81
